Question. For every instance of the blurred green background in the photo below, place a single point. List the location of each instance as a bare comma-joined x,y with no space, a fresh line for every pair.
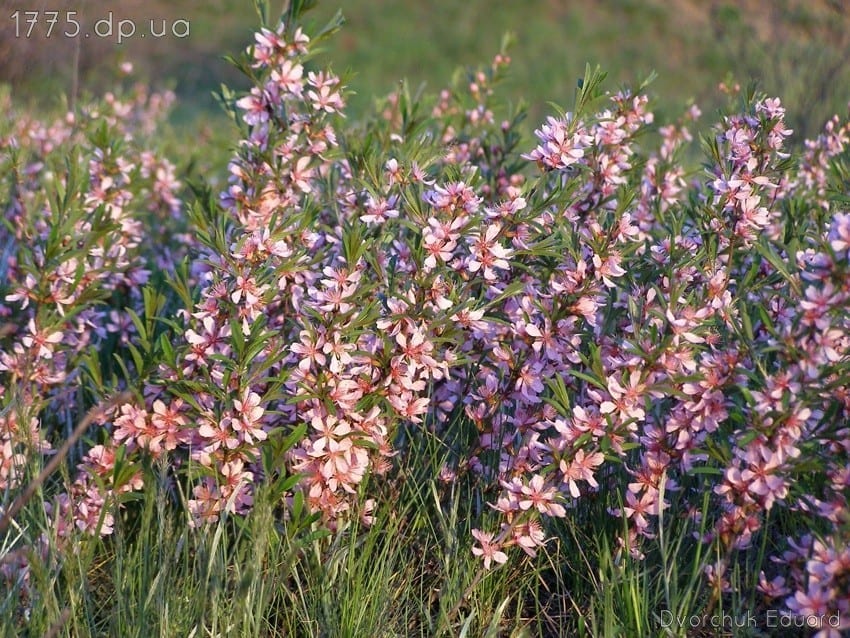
797,50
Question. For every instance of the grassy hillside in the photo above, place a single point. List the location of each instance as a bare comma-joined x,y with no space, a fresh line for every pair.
795,49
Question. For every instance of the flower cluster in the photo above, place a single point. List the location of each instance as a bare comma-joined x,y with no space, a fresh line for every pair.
85,198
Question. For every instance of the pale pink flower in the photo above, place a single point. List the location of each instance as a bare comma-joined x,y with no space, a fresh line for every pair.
538,495
256,110
562,144
408,406
581,469
529,536
489,550
637,509
41,340
310,349
249,413
131,424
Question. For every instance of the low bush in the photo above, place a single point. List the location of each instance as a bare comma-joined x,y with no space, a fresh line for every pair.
591,347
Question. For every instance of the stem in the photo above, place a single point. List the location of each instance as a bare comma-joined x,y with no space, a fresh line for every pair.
57,626
75,75
466,592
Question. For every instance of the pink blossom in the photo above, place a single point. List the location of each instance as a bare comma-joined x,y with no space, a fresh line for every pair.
581,469
488,549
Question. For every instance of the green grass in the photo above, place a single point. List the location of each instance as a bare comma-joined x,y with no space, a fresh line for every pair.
408,574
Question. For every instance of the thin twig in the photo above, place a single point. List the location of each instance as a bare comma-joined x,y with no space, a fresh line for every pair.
75,75
57,626
466,593
61,453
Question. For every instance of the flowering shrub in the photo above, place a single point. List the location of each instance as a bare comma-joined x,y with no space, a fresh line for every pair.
575,319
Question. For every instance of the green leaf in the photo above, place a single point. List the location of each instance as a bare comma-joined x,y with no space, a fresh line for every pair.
747,438
706,469
262,9
766,250
586,377
561,398
283,485
138,360
745,320
294,437
140,328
